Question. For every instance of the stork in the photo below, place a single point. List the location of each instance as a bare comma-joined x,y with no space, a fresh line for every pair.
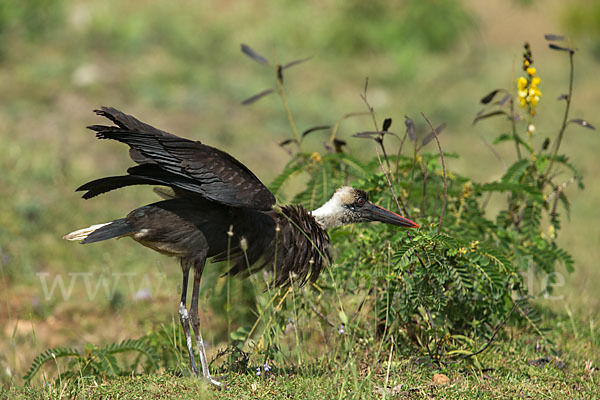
218,210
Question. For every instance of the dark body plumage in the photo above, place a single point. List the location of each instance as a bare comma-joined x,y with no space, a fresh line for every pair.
218,210
214,194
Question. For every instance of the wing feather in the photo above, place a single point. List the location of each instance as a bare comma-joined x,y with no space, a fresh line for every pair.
189,165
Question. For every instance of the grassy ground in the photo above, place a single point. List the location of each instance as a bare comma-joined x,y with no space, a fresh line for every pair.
513,367
183,71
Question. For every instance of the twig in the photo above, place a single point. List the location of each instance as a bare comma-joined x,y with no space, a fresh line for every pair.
435,135
320,314
564,123
403,208
372,112
286,106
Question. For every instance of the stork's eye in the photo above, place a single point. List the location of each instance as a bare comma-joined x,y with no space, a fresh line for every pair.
360,202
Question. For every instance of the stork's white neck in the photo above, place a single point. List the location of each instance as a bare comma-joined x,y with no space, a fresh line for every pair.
329,215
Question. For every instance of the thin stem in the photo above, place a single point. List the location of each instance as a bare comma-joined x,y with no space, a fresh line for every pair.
514,127
286,106
435,135
403,208
564,124
372,112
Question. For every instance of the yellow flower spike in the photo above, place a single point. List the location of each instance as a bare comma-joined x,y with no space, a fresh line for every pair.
531,71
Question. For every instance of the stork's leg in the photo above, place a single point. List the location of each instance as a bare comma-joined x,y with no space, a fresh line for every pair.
196,324
184,317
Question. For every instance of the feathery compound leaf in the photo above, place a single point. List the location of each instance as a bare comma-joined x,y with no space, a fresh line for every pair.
50,354
510,187
516,171
509,137
288,173
133,345
253,54
108,363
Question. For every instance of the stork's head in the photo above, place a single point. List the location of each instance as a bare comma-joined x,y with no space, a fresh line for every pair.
349,205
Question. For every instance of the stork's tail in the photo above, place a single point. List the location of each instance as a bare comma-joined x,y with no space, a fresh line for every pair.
99,232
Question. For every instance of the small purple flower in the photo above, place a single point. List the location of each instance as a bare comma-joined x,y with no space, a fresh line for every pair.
266,367
341,331
258,371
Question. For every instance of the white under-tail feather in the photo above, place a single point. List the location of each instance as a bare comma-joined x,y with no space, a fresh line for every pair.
82,234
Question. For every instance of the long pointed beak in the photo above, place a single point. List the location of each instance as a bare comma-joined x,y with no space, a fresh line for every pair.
376,213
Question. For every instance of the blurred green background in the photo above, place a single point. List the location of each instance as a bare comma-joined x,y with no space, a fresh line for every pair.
178,66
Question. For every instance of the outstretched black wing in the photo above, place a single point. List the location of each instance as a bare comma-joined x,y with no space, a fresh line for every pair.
166,159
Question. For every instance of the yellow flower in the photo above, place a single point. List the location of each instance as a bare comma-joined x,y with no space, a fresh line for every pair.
315,157
531,71
552,232
535,81
462,251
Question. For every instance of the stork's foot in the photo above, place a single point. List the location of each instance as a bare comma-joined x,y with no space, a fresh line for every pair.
215,383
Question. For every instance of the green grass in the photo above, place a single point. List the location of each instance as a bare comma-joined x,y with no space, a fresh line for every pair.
180,69
506,370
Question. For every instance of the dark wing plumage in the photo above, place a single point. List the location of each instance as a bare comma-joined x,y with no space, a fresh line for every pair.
166,159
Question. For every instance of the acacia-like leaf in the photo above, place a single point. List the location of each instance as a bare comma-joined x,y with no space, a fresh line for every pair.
253,54
50,354
288,173
510,137
583,123
257,96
